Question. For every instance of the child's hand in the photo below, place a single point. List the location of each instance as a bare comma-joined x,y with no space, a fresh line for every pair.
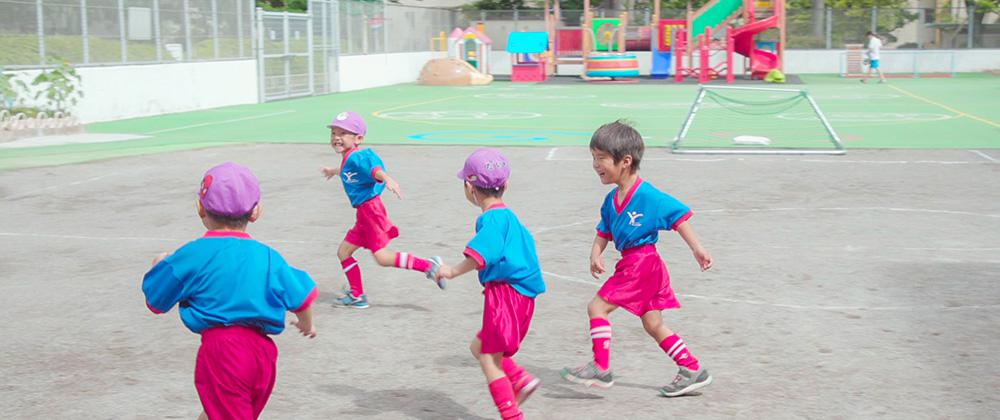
158,258
391,185
596,266
703,257
306,328
444,272
329,172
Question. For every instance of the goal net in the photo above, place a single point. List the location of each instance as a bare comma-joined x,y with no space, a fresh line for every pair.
727,119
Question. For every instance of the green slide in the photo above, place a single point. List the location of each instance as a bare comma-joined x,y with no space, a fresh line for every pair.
715,16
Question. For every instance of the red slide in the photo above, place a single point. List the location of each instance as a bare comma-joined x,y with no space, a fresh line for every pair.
761,61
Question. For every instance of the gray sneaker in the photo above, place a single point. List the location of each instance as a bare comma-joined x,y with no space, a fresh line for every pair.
589,375
686,381
432,272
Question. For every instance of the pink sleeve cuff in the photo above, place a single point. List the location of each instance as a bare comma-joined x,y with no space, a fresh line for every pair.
309,300
683,219
604,235
374,171
471,253
153,310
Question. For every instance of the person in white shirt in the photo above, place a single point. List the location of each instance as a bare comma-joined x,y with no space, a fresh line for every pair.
874,46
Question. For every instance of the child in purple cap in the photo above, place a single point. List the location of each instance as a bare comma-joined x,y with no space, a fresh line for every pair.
632,216
234,291
364,177
504,253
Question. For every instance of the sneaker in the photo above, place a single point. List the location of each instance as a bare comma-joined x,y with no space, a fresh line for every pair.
525,387
432,272
864,81
589,375
881,81
349,301
686,381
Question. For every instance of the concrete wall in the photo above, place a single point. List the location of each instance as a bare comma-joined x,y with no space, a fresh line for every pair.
830,61
374,70
119,92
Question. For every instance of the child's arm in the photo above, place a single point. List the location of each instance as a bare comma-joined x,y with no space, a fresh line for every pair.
390,183
450,272
700,254
305,322
329,171
596,262
158,258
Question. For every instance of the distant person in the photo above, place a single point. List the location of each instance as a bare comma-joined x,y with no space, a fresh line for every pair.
872,57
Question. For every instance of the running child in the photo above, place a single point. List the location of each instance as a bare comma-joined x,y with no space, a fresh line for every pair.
504,253
364,177
234,291
632,215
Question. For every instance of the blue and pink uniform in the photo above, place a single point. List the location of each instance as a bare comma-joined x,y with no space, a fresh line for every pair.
373,229
641,282
509,271
234,291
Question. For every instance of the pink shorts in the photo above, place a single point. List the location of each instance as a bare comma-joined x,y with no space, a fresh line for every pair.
641,282
506,318
235,372
373,229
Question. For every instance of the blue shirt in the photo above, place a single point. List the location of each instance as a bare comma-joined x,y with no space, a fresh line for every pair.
505,251
645,212
357,172
227,278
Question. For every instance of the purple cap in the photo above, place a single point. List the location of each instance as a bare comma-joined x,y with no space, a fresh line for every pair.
486,168
350,121
229,189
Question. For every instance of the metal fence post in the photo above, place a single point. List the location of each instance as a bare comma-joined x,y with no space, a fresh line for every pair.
188,52
121,30
83,31
215,28
286,57
971,17
921,21
239,26
40,21
261,87
347,11
156,31
829,27
310,59
482,17
517,17
385,27
874,27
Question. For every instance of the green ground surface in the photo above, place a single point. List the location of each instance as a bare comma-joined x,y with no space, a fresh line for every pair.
951,113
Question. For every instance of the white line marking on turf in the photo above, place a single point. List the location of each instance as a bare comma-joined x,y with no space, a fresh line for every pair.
832,160
142,238
890,209
552,152
38,191
985,156
166,130
557,227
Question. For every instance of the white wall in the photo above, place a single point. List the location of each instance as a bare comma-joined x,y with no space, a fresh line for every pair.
374,70
118,92
829,61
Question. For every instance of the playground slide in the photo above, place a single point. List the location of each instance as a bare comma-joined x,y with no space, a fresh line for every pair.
761,61
713,14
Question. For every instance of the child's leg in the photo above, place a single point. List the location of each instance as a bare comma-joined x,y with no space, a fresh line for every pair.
351,269
500,387
203,416
669,341
523,382
600,330
404,260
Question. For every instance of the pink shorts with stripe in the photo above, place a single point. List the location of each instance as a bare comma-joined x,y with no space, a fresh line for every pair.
506,318
235,372
641,282
373,230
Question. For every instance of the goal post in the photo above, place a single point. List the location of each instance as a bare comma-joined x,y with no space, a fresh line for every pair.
752,120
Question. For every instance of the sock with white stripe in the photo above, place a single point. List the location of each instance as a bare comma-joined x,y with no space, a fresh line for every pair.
600,334
409,261
675,348
353,273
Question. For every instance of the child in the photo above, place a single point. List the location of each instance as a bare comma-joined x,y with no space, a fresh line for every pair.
234,291
631,216
504,253
364,179
872,54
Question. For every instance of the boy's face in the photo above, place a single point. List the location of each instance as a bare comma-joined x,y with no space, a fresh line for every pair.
342,140
607,170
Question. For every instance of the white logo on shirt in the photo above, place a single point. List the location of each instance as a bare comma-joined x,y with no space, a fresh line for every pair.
349,177
632,215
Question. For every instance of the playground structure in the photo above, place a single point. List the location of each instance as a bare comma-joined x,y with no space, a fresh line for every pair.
451,72
472,46
697,37
528,56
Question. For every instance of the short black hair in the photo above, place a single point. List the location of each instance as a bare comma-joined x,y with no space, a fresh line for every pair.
619,139
230,222
490,192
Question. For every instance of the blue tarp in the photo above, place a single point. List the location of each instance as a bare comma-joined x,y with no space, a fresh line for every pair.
527,42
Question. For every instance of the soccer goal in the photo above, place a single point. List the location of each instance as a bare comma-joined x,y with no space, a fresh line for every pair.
731,120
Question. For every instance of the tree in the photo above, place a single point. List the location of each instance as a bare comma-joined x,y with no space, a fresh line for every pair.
980,8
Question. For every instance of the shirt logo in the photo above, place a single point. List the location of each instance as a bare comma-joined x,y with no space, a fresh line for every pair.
632,215
349,177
